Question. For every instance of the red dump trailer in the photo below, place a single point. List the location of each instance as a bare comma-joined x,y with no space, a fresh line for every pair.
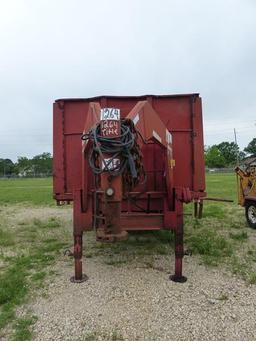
128,163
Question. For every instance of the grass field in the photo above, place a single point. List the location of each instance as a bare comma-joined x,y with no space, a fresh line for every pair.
39,191
30,243
221,185
26,191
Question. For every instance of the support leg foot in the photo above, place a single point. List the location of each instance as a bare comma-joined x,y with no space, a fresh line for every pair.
178,279
84,278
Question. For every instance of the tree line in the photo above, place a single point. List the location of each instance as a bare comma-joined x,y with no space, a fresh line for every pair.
227,154
39,165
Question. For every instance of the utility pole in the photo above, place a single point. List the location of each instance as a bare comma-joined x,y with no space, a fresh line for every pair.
237,155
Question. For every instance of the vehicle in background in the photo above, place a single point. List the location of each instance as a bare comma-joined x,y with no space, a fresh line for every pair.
247,191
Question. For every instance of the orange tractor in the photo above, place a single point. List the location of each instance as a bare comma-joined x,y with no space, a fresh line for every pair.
247,192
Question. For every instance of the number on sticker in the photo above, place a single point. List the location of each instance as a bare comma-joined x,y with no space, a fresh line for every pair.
110,114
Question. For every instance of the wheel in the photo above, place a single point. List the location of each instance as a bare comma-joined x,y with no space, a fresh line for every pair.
250,213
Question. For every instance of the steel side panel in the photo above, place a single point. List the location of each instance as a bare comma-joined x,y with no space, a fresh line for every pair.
74,172
58,151
199,163
183,159
185,124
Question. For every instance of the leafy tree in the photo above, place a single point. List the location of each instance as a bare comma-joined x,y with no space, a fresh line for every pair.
39,164
1,166
6,167
214,158
23,165
251,148
42,163
230,152
242,155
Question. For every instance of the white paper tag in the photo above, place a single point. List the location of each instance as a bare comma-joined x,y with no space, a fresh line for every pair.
136,119
110,114
113,164
168,137
156,136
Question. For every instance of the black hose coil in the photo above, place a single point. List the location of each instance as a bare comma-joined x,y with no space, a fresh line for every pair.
120,147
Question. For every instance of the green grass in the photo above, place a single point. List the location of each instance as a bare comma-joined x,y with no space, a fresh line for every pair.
26,267
22,329
30,191
222,185
52,222
222,235
212,246
17,280
252,278
6,238
240,236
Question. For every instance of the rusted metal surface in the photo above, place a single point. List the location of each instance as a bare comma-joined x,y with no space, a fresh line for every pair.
174,111
110,227
164,166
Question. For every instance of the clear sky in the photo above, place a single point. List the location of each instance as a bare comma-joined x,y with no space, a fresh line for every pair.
81,48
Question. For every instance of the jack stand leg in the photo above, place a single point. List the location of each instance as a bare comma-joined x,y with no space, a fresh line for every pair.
78,248
179,248
201,206
178,277
195,209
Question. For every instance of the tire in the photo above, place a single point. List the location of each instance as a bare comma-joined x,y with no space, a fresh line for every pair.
250,213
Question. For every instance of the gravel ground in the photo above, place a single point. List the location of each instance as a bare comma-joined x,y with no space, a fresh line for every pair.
128,302
133,301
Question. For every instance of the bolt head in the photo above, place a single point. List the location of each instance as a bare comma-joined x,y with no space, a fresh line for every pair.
110,191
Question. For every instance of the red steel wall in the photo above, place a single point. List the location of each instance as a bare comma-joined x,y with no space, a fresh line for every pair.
182,115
